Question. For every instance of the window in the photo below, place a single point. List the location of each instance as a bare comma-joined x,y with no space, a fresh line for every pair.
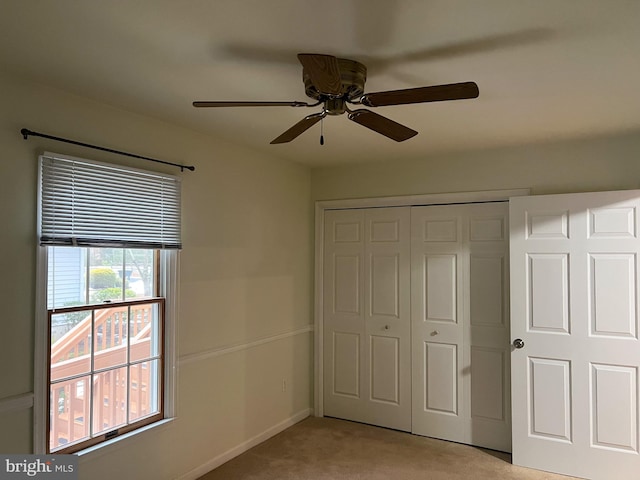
108,240
105,319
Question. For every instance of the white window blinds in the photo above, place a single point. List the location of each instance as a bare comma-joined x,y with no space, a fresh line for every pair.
89,203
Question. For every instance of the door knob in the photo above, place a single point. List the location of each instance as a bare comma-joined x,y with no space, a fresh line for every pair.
518,343
386,327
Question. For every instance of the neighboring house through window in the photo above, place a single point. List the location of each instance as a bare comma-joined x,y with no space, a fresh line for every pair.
108,239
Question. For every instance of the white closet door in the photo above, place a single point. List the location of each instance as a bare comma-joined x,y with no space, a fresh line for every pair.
574,293
367,359
460,328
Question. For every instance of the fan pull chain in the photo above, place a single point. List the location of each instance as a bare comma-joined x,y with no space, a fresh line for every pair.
322,131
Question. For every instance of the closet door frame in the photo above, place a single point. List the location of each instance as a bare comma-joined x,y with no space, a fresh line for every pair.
398,201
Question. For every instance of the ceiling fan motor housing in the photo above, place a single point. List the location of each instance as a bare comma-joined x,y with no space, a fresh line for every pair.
352,75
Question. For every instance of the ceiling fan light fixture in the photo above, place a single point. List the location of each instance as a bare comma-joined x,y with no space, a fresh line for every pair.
335,106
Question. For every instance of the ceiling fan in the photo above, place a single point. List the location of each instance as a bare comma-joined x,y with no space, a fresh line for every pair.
336,82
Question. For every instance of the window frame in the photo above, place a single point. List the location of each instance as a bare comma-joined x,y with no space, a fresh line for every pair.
168,289
167,276
129,426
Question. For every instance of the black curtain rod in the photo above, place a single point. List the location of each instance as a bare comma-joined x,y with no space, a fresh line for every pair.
25,134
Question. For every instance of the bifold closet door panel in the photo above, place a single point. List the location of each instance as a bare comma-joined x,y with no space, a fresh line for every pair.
460,339
366,288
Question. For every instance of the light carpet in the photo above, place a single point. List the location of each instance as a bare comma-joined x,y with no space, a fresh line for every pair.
327,448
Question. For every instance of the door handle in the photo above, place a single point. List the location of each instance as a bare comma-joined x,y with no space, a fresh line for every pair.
518,343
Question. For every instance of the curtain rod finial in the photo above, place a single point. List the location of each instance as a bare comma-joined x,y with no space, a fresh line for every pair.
25,133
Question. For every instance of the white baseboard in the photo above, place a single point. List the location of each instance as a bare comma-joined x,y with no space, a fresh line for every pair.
244,446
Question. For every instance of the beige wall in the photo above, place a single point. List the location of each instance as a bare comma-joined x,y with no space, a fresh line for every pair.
245,276
610,163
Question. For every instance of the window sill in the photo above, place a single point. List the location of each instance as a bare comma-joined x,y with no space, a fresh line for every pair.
121,441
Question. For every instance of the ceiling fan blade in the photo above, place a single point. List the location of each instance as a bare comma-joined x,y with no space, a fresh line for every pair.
323,71
383,125
436,93
300,127
251,104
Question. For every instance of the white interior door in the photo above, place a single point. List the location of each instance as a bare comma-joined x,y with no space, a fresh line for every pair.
574,294
460,327
366,348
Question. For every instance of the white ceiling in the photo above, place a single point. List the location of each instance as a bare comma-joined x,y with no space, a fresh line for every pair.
546,69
